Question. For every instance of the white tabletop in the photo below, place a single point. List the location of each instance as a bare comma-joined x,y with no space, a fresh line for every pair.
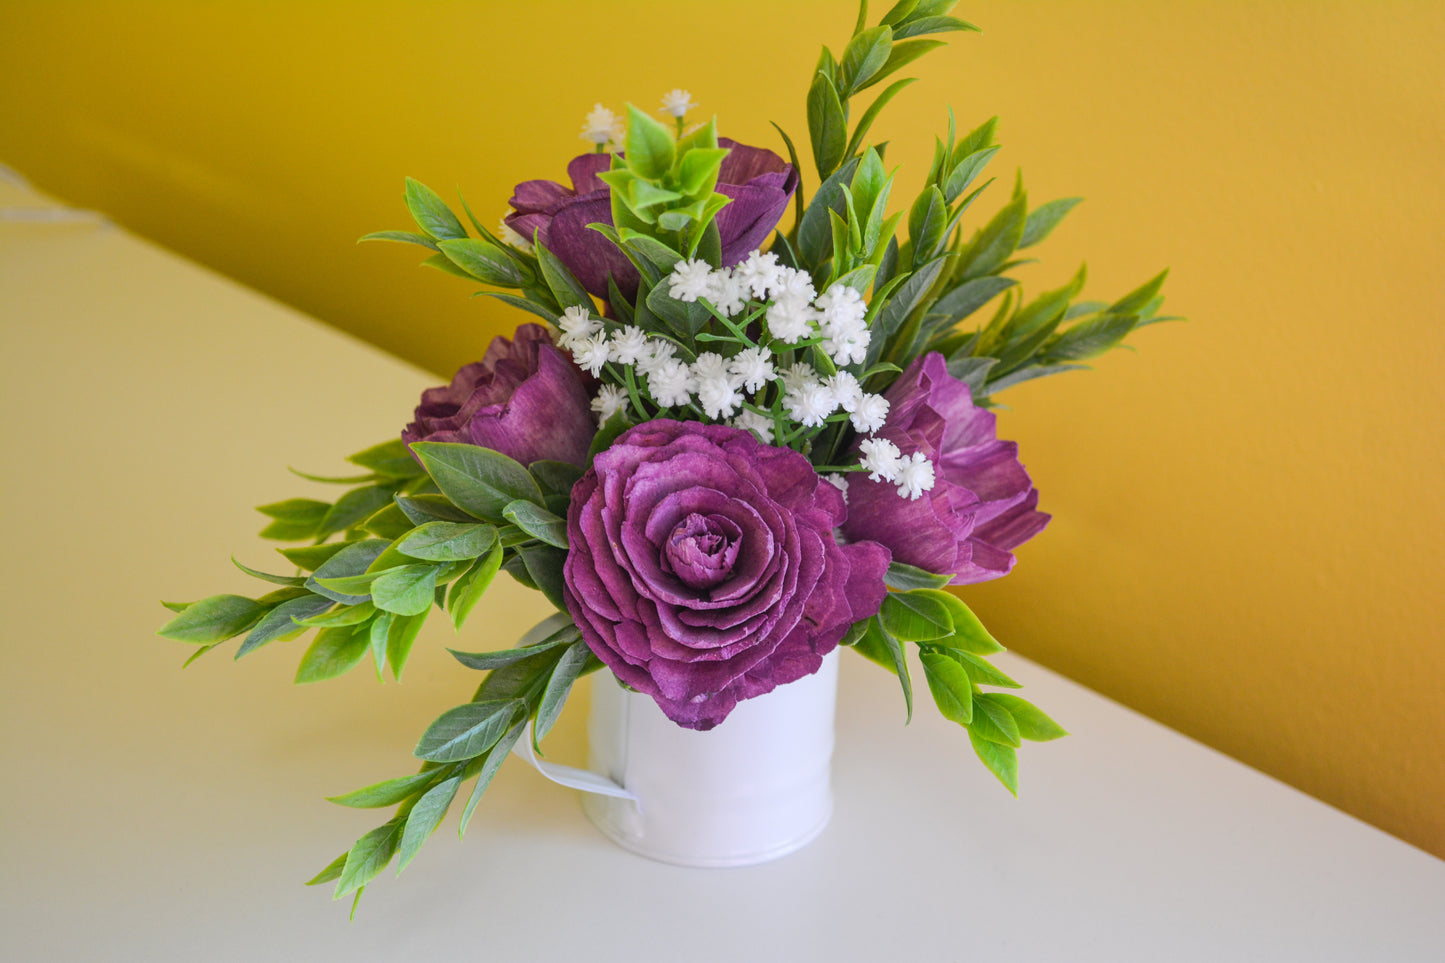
150,813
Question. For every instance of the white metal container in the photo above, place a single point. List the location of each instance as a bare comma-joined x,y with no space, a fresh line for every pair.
756,787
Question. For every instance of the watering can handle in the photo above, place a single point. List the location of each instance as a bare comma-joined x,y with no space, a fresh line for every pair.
572,778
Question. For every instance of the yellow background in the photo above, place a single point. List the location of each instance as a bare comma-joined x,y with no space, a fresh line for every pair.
1249,524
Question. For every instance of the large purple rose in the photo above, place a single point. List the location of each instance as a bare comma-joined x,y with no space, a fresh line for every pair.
983,504
524,399
703,569
759,182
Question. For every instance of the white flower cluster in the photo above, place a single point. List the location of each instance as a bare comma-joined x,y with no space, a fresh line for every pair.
721,386
603,127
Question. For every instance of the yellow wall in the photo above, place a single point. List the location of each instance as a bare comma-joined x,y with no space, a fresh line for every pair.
1249,521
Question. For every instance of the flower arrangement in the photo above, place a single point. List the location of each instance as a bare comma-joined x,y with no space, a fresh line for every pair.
730,446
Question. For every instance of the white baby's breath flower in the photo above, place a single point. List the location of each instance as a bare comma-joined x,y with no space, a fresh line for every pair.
718,397
758,272
601,126
759,425
576,324
847,347
798,374
871,413
710,366
810,404
672,383
726,293
627,345
690,280
792,283
677,103
843,308
658,350
609,401
838,482
752,368
915,475
790,319
846,389
881,459
590,353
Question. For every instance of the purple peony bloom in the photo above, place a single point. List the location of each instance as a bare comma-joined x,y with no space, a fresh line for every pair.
759,182
982,505
524,399
703,568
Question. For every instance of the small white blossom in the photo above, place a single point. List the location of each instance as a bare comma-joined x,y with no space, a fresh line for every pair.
759,272
881,459
759,425
726,293
752,368
810,404
601,126
609,401
672,383
871,413
576,324
915,475
798,374
847,347
627,345
658,350
792,283
710,366
843,308
790,319
690,280
718,397
846,389
511,238
591,353
677,103
838,482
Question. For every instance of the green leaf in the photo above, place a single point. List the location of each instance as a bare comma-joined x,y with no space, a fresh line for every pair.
827,124
905,298
1033,723
537,522
1135,301
925,25
993,721
915,616
905,578
565,288
555,476
814,231
950,685
468,730
332,871
926,220
685,318
996,240
405,237
574,659
388,522
265,577
969,296
482,260
1002,761
479,481
213,619
387,793
430,213
424,818
295,518
968,632
649,145
900,56
880,648
400,637
353,508
526,304
488,770
468,590
544,565
368,857
865,123
346,615
864,56
352,560
448,541
1045,218
523,680
389,458
334,652
981,671
430,508
281,621
1090,337
311,557
407,590
485,661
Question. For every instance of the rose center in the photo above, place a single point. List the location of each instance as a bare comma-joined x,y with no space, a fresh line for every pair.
702,549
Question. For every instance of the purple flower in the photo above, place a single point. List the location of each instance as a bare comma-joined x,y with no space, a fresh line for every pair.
703,568
982,505
759,182
524,399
